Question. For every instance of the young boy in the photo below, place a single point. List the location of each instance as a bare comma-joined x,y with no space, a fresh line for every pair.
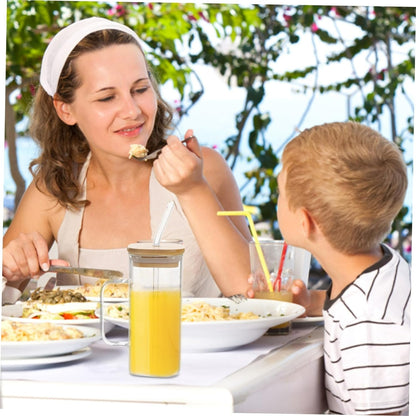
340,188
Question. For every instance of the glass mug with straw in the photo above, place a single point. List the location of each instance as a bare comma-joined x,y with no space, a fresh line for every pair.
275,281
154,308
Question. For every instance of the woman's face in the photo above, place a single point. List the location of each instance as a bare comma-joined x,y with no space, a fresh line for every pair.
116,105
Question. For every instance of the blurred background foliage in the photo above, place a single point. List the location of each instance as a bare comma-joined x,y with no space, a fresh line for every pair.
244,44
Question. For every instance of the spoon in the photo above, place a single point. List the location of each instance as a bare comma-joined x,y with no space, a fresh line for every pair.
155,154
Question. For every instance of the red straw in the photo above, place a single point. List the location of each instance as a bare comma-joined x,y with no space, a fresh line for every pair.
279,273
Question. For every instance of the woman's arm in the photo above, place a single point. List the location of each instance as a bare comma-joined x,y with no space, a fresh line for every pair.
204,185
28,239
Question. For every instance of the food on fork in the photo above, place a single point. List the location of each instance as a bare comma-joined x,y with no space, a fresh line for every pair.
137,150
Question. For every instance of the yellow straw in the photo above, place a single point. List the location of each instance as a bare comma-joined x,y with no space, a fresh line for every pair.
247,214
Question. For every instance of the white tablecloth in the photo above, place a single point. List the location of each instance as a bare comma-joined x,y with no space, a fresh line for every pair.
109,365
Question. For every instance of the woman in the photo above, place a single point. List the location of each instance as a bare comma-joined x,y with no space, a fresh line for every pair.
97,97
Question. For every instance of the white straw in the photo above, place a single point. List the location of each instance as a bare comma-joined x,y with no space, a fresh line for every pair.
163,223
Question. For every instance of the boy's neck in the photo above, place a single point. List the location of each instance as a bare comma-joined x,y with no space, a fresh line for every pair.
343,268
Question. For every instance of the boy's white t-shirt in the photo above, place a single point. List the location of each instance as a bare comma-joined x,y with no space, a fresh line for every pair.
367,341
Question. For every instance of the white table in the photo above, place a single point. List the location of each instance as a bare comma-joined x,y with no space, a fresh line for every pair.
276,374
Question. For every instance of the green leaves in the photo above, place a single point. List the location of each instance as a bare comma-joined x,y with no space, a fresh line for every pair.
245,44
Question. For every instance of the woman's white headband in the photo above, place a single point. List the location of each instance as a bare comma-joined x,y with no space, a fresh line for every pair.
64,41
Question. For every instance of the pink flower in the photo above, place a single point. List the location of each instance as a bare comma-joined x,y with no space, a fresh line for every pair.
18,96
201,15
314,27
287,18
381,74
120,10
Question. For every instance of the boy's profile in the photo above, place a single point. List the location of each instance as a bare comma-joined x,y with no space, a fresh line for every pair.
340,188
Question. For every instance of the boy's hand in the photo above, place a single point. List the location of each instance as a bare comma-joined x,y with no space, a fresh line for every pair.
301,294
312,300
261,286
250,291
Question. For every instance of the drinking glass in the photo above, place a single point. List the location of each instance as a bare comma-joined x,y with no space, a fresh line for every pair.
272,253
155,276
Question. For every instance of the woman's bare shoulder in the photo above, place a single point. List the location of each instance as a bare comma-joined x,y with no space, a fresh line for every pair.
221,178
36,194
40,204
214,164
36,211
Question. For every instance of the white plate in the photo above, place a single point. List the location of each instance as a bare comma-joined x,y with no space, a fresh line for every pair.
95,298
107,300
34,349
30,363
210,336
14,313
309,320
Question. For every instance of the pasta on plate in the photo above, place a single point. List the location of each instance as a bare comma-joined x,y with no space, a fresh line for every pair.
17,331
202,311
112,290
191,312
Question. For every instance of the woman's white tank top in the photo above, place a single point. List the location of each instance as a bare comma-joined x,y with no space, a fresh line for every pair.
196,278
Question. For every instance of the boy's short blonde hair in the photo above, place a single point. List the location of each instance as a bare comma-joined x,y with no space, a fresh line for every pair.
351,180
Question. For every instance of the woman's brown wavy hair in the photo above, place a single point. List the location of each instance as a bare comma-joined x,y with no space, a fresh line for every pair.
63,148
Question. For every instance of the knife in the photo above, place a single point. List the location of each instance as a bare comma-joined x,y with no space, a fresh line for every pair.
84,271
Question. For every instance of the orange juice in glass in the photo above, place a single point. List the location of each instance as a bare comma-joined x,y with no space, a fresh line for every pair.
155,308
155,332
272,254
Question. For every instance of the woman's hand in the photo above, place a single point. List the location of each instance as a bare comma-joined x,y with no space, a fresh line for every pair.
27,256
179,167
204,184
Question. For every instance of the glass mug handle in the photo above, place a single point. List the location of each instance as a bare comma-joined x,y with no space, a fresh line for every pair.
102,317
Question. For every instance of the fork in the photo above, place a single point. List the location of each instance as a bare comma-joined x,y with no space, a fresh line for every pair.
155,154
27,292
237,298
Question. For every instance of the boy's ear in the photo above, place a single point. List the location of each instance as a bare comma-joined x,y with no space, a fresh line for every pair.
64,112
307,223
